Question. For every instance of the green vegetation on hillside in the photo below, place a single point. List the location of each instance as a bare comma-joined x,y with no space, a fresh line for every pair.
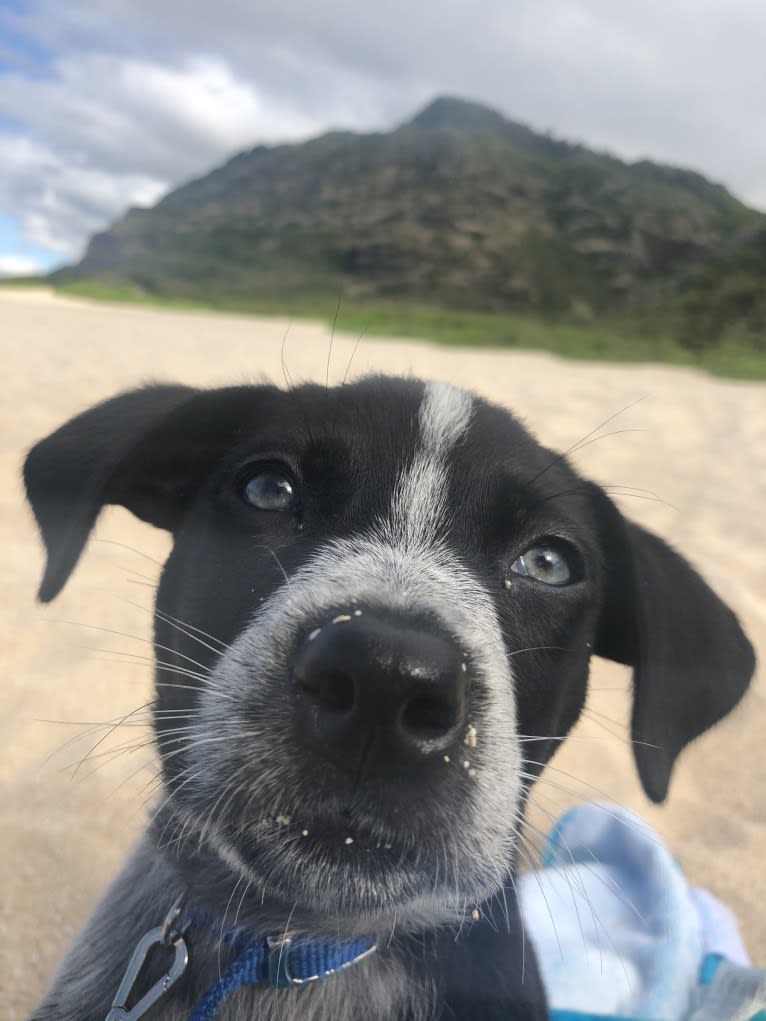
464,224
467,328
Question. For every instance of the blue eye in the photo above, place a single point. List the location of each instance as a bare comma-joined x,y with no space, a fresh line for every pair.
546,563
270,490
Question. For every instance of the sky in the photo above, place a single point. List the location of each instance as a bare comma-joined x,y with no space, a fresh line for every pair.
106,104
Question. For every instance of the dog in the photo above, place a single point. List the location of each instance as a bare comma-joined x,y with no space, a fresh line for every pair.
372,632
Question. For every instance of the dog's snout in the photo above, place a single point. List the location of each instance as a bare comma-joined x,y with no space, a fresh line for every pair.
367,674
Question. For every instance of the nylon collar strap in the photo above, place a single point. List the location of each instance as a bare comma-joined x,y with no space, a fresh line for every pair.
284,962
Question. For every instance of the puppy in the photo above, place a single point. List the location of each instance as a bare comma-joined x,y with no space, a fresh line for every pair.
372,632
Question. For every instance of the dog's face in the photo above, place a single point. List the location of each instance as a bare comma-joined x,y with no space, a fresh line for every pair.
375,626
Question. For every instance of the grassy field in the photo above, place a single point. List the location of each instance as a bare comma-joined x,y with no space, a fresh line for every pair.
589,341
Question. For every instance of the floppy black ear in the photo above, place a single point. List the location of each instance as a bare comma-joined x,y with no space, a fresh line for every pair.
145,449
691,660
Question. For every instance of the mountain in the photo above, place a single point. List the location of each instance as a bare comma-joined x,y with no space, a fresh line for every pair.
459,206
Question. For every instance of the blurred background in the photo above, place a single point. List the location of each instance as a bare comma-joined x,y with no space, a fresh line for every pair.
463,170
216,193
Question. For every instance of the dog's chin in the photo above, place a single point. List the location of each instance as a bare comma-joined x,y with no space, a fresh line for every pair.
358,864
333,870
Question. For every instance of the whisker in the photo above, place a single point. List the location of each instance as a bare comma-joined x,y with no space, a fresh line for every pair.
191,627
578,445
93,728
533,869
353,353
126,634
589,715
607,489
287,376
132,549
585,783
103,738
101,759
524,936
574,883
580,886
610,883
131,658
280,566
540,648
332,338
223,925
180,625
242,901
138,574
149,764
526,739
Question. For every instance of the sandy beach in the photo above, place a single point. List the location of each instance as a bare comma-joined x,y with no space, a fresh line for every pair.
688,453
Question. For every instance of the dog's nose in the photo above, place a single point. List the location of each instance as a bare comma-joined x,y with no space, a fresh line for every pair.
366,674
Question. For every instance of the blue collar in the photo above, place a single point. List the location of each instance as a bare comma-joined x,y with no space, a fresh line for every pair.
284,961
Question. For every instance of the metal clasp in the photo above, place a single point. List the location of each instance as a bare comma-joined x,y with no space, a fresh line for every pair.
164,935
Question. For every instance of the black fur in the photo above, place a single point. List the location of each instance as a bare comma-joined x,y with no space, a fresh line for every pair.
177,458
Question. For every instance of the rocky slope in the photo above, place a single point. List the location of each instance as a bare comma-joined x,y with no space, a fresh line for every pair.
459,206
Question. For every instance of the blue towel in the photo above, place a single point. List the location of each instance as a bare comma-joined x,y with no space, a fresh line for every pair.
620,933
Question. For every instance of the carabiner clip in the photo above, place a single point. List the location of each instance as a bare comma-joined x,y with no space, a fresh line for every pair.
163,935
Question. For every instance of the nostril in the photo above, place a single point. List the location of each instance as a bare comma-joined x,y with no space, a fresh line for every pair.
333,689
429,714
370,675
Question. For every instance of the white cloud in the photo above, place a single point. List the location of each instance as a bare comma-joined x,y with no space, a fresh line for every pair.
59,199
130,115
104,133
19,266
140,96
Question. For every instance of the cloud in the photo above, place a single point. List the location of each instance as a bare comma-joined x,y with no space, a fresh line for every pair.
111,103
60,199
136,116
103,133
19,266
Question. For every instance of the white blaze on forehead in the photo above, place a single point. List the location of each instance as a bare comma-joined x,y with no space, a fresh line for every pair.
444,415
419,504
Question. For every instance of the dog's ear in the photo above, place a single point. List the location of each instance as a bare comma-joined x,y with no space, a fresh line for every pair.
146,449
691,660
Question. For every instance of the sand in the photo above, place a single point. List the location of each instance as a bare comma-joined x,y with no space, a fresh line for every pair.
698,443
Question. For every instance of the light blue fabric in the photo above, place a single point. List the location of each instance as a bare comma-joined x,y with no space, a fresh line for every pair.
614,923
572,1015
575,1015
720,932
619,934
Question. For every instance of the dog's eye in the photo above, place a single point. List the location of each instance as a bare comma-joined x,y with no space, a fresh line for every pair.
550,563
270,490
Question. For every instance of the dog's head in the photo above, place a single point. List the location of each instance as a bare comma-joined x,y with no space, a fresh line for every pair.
375,625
